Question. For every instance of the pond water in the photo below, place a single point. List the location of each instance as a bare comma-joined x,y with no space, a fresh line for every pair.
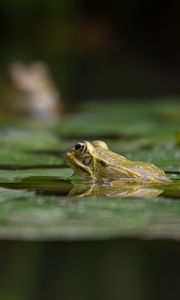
68,239
39,199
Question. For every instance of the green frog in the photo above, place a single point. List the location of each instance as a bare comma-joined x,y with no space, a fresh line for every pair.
94,161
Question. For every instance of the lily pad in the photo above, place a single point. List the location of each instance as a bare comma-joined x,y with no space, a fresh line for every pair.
12,157
37,203
28,139
18,175
26,216
120,121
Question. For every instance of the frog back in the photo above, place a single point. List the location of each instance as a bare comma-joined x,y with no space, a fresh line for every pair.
118,166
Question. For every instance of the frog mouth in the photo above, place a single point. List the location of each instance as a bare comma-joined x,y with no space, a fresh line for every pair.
74,163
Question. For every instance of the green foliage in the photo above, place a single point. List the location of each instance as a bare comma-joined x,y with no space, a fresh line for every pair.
35,202
9,157
16,176
24,215
29,139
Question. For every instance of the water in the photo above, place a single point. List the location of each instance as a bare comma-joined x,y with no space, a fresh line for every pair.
62,239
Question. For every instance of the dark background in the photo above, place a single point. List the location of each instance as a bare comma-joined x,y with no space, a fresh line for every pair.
106,270
97,49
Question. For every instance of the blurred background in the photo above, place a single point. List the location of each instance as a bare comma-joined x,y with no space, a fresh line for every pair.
96,49
116,269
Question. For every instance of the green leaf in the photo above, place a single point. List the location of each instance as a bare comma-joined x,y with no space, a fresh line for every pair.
36,204
18,175
26,216
12,157
28,139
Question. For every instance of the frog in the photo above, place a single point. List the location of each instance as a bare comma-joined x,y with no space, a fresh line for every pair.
93,160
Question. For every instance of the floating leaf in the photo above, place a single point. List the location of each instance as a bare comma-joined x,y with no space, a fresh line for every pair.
12,157
35,203
28,139
18,175
26,216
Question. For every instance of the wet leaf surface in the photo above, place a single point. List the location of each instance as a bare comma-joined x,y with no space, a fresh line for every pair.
28,139
11,157
40,200
24,215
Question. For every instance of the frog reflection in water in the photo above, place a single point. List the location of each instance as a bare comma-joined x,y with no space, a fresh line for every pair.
95,162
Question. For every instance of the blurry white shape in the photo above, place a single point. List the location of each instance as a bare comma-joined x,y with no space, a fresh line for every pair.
35,93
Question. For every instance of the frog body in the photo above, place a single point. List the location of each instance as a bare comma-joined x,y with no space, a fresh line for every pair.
95,161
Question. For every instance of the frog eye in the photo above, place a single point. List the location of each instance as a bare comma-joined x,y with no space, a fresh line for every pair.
87,160
80,147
